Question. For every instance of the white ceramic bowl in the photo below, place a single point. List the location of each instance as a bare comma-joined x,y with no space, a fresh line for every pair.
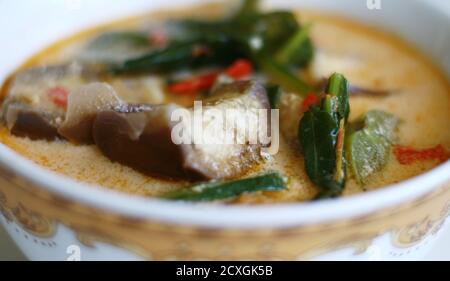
52,217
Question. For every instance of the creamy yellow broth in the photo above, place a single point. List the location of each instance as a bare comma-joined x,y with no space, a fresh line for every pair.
366,56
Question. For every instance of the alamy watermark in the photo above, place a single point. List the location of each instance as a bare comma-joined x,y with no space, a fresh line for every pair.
373,4
213,125
73,252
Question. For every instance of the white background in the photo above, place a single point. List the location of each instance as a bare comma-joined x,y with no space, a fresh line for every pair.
441,251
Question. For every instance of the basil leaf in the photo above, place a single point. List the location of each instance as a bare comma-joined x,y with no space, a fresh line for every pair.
318,132
275,28
250,33
321,135
282,75
298,50
178,55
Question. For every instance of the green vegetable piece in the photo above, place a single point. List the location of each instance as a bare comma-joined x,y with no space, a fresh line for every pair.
275,28
271,29
282,75
338,87
382,123
298,50
175,55
247,8
249,33
321,135
271,181
274,93
214,50
369,147
318,132
129,38
113,47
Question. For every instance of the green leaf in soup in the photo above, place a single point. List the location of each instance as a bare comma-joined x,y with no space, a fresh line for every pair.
248,8
271,181
219,50
275,28
272,29
240,25
304,55
282,75
321,135
174,56
330,105
317,134
367,154
130,38
369,147
338,87
113,47
382,123
298,50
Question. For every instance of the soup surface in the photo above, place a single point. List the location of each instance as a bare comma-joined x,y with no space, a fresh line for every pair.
417,94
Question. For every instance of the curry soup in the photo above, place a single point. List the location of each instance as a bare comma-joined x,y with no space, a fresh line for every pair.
388,80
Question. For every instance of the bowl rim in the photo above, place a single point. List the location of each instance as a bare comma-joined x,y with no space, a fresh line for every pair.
228,216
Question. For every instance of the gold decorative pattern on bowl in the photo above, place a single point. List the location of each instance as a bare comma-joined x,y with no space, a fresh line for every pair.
38,211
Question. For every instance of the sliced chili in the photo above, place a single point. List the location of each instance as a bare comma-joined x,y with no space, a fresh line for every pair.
309,100
407,155
58,95
239,69
194,85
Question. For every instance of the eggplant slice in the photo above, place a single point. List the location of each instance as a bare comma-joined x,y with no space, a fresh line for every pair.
141,135
142,139
82,108
28,109
24,121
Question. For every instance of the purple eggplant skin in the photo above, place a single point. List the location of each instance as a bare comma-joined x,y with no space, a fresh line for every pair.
152,153
139,136
23,121
83,106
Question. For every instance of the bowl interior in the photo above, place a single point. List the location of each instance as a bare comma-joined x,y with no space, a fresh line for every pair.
428,29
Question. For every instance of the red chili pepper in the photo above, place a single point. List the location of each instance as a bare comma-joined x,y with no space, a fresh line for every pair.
309,100
194,85
58,95
408,155
239,69
158,38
